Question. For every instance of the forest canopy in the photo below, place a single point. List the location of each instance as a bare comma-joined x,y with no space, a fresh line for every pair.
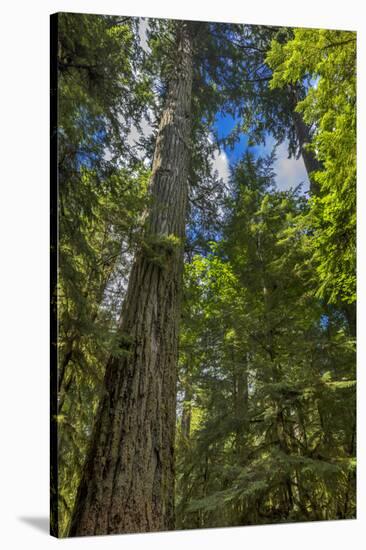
206,320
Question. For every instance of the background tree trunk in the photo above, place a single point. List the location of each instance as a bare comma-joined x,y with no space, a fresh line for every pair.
187,409
304,137
128,481
311,162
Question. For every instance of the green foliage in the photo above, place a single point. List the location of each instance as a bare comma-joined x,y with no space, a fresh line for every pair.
101,91
99,227
158,248
328,58
266,394
100,217
270,371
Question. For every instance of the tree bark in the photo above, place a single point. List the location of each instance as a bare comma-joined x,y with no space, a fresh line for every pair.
128,480
350,313
311,162
241,401
187,411
304,137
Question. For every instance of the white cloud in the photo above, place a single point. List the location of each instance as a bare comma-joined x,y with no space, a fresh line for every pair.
220,161
266,149
289,172
143,26
220,164
134,134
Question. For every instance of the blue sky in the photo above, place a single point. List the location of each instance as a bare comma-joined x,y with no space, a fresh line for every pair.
289,172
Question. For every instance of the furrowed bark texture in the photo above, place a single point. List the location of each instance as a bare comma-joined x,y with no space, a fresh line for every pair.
128,481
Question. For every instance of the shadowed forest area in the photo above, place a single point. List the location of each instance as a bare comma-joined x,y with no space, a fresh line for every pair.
206,322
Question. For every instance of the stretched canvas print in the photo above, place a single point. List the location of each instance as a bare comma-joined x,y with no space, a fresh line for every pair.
203,307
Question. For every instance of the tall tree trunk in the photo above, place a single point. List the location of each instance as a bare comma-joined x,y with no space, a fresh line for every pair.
311,162
304,137
128,480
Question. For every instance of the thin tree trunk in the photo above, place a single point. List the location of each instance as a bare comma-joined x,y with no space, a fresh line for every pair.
351,477
128,480
187,407
73,342
241,403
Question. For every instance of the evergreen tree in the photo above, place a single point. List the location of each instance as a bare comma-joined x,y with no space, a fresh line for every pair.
128,479
100,204
262,110
267,378
206,366
143,498
329,58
